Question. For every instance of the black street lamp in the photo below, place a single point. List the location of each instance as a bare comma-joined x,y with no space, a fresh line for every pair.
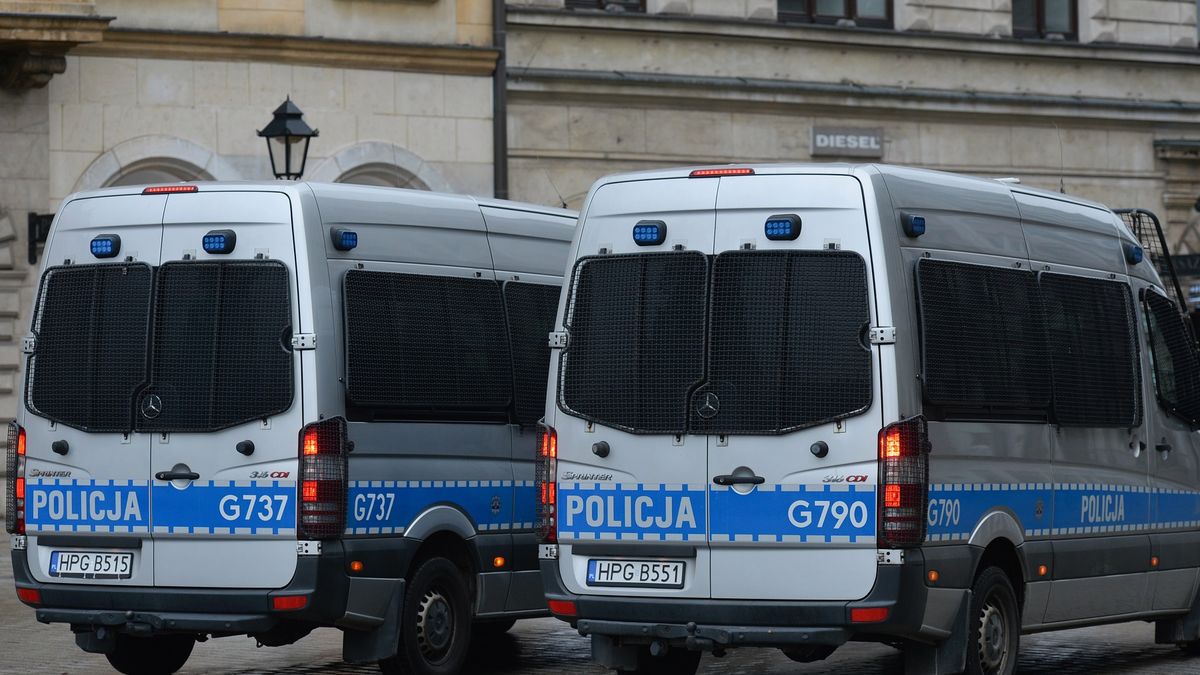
287,141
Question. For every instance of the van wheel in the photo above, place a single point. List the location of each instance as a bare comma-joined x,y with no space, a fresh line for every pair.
435,624
156,655
674,662
995,625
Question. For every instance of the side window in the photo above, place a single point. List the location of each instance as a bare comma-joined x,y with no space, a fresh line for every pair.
425,347
1092,339
1175,359
530,309
984,347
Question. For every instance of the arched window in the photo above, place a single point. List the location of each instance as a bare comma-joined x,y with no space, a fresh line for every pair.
384,175
157,170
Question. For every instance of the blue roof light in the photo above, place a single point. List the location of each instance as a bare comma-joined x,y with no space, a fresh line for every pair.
343,239
782,228
650,233
914,225
1134,254
106,245
220,241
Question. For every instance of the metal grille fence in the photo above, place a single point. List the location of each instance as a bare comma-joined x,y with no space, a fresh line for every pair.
1148,231
1176,362
984,347
636,349
787,338
222,345
1092,340
530,309
420,344
91,325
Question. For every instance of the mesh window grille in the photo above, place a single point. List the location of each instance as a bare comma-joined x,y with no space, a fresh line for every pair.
1092,341
530,309
636,347
91,324
984,347
1176,361
222,345
787,338
420,345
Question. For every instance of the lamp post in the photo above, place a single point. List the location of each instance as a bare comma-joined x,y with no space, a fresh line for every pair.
287,141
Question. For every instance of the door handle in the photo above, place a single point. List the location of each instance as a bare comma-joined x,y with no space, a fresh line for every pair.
730,479
177,475
1163,447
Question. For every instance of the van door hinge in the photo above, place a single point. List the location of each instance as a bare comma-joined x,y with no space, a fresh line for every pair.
28,344
558,339
883,335
304,341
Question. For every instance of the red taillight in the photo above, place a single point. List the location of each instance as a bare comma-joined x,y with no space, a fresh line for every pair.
323,480
289,603
563,608
14,521
903,483
169,189
29,596
717,173
868,614
546,480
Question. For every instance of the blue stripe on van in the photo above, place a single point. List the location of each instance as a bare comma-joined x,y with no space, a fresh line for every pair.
389,507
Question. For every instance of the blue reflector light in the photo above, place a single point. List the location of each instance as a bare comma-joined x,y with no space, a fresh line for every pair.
914,226
1133,254
343,239
650,233
782,228
106,245
220,241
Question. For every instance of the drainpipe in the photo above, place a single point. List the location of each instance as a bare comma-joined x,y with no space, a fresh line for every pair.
500,102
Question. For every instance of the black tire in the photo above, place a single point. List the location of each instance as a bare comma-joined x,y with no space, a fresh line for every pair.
677,661
492,627
1191,647
435,622
156,655
995,625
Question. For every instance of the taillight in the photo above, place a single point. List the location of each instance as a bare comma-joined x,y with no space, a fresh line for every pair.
903,483
323,480
14,520
546,480
717,173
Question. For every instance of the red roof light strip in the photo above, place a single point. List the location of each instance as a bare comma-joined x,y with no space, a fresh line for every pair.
715,173
169,189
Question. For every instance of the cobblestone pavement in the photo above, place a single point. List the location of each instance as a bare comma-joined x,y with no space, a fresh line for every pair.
550,646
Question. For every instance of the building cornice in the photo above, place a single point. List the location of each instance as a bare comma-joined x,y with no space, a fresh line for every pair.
309,51
32,44
857,38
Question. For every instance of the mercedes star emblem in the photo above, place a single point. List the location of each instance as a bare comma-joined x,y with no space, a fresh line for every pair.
151,406
709,406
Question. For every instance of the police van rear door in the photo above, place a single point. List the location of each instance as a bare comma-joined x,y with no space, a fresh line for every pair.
632,482
791,397
221,401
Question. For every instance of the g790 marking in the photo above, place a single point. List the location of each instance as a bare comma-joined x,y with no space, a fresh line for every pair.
944,512
801,516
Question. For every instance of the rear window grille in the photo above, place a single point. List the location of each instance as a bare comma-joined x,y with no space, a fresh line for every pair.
1092,340
421,345
222,345
91,325
787,342
530,309
636,347
984,347
1176,362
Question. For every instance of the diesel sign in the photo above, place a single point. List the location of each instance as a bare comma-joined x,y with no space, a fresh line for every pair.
847,142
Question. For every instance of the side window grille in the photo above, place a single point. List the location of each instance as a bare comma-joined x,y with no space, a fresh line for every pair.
421,346
1176,362
530,309
983,342
1092,338
91,324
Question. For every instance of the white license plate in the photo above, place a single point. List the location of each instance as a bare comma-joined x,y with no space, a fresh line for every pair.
646,573
91,565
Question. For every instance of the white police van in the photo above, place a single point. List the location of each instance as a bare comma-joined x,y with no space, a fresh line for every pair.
796,406
263,408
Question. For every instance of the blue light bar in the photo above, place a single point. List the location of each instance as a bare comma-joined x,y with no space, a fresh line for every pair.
106,245
343,239
782,228
650,233
220,241
1134,254
914,225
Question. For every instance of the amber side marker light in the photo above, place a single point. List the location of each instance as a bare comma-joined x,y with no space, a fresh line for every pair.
499,562
933,576
356,566
1154,561
1043,570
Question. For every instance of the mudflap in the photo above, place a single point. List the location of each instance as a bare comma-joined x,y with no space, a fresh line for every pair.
381,642
948,656
1181,630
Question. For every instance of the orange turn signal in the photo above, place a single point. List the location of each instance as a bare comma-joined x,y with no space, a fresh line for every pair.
933,576
499,561
356,566
1043,570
